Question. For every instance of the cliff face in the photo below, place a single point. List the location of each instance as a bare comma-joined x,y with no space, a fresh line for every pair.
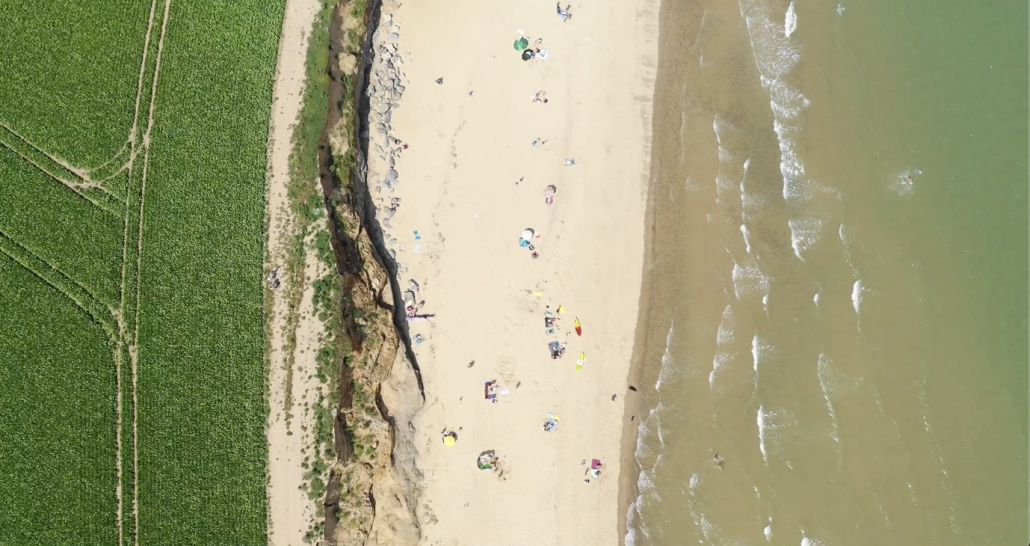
374,482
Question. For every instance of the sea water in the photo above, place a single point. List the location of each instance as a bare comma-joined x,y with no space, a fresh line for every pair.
837,337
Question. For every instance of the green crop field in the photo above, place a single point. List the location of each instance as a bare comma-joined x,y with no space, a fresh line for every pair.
132,378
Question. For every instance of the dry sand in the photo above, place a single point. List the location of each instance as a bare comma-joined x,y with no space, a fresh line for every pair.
469,183
290,513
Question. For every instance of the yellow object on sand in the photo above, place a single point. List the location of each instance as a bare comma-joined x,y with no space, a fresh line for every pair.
449,441
561,310
538,294
579,363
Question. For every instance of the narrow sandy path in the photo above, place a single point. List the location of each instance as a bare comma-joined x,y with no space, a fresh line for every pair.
289,510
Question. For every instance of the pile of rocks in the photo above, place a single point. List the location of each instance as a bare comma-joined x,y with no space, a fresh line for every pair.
385,89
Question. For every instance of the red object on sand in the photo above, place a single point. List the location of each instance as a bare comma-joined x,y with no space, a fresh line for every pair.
579,329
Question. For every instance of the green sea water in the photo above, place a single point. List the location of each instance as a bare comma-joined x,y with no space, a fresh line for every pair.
838,334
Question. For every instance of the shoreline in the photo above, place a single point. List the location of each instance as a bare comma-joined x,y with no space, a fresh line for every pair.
639,405
636,403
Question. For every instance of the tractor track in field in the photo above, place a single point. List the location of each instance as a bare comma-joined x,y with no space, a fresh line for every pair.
85,178
127,340
88,186
82,174
86,300
133,347
10,139
130,339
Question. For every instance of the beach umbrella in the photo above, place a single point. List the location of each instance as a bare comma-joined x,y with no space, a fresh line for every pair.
521,43
449,441
528,234
527,54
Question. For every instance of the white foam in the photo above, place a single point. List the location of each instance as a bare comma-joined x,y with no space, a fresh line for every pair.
791,168
805,541
666,358
804,233
631,533
754,351
840,9
773,52
791,22
693,185
776,55
695,480
815,298
708,529
786,103
645,484
760,349
749,280
751,205
724,183
846,238
761,434
747,237
726,326
720,360
725,155
824,373
768,532
856,294
643,433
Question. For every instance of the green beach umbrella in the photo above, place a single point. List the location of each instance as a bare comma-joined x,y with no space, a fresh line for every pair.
521,43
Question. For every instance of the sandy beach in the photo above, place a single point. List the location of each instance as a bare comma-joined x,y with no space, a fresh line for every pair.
479,154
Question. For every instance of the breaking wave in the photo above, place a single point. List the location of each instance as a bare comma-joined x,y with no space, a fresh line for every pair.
748,280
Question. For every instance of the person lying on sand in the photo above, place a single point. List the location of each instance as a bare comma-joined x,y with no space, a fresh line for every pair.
565,13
